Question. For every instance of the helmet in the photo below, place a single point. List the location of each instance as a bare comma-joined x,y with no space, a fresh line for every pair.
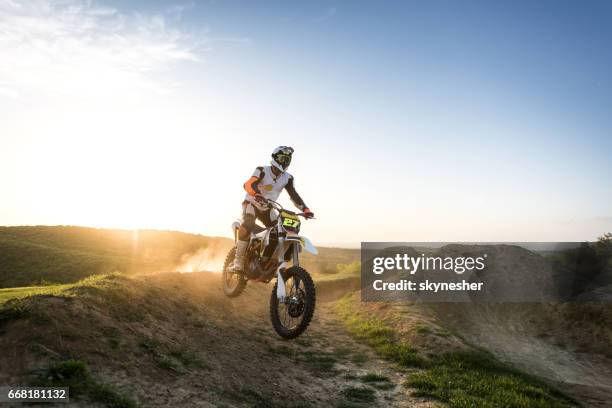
281,157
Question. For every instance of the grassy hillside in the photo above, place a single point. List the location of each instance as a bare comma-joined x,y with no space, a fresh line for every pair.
62,254
328,259
40,255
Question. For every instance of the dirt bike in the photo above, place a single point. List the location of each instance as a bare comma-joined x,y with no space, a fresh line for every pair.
292,301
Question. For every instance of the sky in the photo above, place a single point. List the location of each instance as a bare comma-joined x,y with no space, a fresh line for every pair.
411,120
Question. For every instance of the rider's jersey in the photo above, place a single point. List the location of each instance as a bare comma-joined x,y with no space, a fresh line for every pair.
265,182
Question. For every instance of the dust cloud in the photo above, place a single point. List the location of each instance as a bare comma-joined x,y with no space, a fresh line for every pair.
209,259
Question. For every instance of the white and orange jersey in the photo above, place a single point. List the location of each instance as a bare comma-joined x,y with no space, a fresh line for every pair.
267,184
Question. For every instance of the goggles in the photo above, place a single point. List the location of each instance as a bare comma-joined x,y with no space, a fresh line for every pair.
283,158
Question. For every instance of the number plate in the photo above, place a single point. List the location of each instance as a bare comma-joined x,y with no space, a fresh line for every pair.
290,221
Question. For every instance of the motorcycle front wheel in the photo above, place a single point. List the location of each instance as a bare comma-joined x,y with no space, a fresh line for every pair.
233,283
291,317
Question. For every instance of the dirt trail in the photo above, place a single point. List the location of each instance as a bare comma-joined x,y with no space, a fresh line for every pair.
176,340
328,336
327,364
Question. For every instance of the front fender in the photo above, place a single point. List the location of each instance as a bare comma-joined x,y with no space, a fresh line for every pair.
308,246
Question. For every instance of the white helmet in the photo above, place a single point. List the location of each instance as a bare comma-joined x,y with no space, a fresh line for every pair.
281,157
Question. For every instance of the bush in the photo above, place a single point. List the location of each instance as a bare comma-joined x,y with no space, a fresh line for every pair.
76,375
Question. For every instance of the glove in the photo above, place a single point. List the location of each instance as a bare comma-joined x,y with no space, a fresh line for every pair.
308,213
260,199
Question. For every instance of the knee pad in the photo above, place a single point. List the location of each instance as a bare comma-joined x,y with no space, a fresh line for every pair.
243,233
246,227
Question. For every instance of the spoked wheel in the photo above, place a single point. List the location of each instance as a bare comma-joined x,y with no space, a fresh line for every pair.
291,317
233,283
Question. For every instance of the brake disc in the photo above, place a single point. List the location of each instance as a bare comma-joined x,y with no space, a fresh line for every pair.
296,304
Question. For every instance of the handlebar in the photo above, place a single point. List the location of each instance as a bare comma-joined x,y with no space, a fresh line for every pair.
276,205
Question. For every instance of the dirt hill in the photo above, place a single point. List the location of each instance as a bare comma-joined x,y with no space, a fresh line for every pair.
176,340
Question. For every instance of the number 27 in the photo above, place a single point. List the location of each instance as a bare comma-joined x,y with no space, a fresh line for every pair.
288,222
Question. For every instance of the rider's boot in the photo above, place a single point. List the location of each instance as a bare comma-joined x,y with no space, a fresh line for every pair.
241,247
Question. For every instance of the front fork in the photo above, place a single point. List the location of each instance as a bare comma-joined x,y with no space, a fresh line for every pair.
280,286
280,282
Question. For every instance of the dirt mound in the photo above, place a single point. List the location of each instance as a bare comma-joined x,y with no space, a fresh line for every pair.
176,340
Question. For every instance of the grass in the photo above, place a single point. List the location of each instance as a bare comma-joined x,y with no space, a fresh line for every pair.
342,352
460,379
175,359
319,361
113,336
167,363
157,351
382,338
110,288
374,377
423,329
20,293
341,271
361,395
251,396
328,260
76,375
477,379
13,312
63,254
376,380
359,358
188,358
91,282
256,399
14,305
282,350
304,342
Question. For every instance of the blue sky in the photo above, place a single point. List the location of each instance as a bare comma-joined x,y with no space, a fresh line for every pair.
411,120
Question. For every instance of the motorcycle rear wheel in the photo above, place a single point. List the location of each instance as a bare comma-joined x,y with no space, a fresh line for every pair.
233,283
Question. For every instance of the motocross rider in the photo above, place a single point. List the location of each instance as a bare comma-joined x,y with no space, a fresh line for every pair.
266,183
